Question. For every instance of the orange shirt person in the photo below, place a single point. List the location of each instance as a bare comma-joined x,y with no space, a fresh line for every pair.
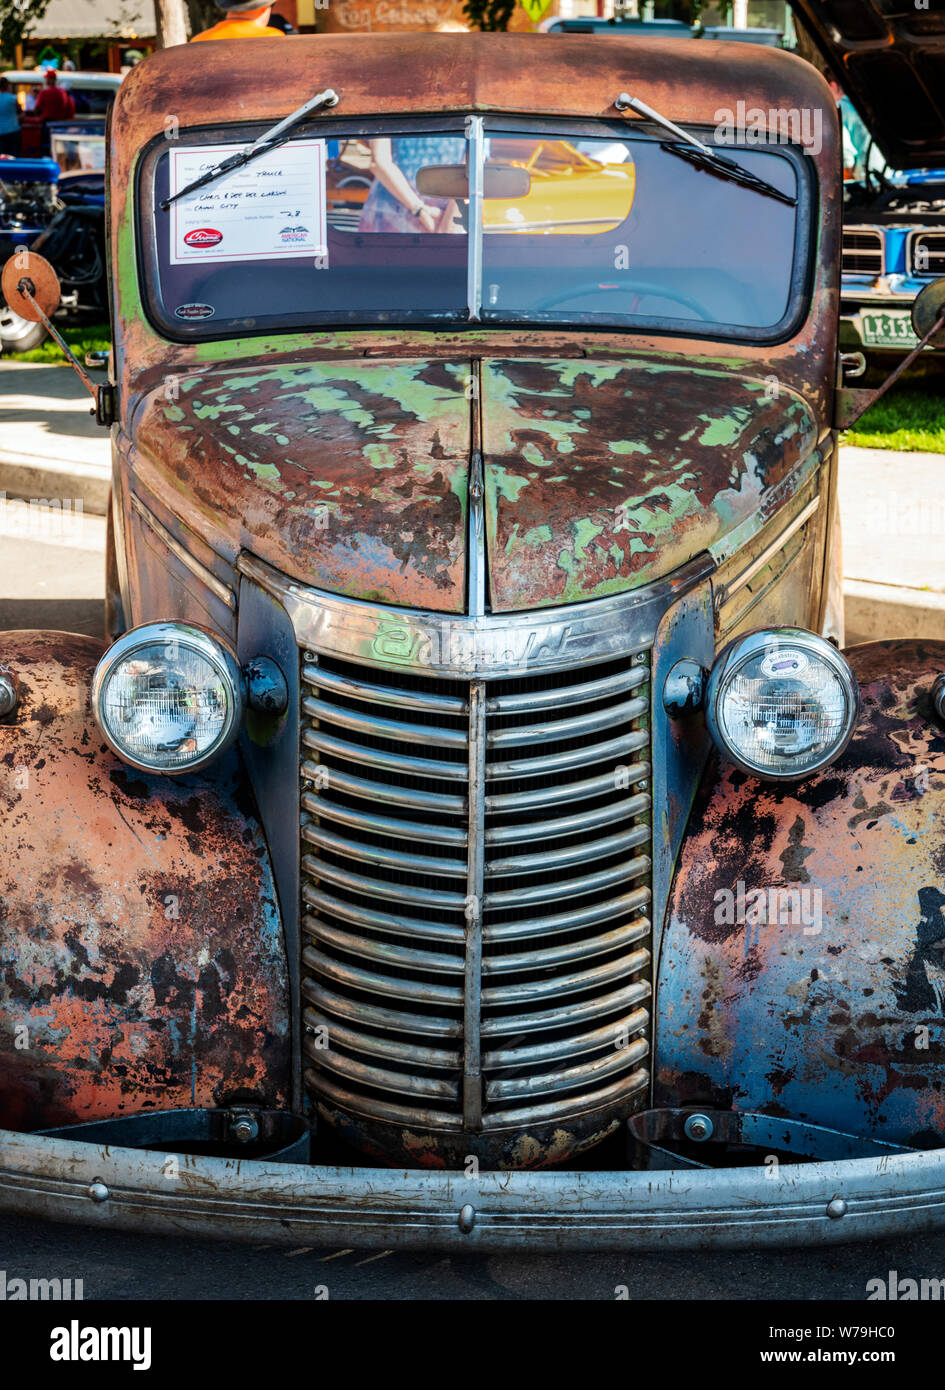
245,21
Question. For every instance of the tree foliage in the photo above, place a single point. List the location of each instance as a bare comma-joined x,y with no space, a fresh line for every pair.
489,15
18,19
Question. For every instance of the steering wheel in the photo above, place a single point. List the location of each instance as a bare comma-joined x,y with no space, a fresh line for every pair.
551,301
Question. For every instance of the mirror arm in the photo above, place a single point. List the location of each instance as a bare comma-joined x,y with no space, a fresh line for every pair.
25,288
871,397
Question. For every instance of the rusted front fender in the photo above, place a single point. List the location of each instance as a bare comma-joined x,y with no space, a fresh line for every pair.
826,1006
140,938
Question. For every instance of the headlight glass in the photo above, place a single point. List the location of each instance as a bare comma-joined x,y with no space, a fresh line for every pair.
168,697
781,703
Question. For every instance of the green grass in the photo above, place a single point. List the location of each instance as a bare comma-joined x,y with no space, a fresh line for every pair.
909,417
89,338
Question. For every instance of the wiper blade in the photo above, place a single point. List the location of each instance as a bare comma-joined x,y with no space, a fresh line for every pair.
727,169
277,135
704,156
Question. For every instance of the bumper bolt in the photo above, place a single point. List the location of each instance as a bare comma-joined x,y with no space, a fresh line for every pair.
699,1128
836,1208
467,1219
244,1129
98,1191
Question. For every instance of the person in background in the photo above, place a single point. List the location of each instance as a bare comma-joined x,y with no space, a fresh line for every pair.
52,104
245,21
858,147
9,120
393,204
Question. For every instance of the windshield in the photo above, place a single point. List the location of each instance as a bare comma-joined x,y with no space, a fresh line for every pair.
473,220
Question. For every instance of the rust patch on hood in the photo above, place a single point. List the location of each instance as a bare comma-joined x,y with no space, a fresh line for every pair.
601,476
350,476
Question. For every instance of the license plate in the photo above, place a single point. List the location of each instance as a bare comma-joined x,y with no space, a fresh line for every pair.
886,328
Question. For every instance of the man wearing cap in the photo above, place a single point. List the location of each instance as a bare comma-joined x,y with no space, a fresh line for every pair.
243,21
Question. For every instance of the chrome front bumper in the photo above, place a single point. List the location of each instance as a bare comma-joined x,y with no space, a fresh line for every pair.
127,1189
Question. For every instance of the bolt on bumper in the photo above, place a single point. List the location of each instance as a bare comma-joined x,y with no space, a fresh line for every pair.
253,1201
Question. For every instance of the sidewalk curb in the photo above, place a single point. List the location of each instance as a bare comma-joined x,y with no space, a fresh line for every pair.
25,477
875,611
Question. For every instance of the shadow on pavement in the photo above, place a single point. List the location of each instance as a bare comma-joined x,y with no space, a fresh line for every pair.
64,615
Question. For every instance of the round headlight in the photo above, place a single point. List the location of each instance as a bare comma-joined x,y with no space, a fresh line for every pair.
781,703
168,697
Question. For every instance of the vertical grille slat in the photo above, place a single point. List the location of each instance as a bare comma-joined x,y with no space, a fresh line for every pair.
529,998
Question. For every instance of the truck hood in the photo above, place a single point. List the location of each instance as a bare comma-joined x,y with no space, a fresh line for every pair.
353,475
892,66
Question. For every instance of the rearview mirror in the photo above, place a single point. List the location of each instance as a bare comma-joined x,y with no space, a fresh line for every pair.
452,181
28,281
927,308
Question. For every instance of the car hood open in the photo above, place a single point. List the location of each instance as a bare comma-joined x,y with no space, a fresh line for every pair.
353,475
890,59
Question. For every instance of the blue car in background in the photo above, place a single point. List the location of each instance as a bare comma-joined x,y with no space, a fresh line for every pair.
893,246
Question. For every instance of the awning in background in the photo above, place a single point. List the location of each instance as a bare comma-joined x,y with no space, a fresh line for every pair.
96,19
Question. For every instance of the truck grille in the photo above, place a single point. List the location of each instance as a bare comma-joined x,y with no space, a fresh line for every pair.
862,251
424,1003
927,253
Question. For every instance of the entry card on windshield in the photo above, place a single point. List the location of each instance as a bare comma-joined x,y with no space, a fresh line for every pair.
271,208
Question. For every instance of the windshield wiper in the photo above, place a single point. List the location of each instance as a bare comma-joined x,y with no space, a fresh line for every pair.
703,156
277,135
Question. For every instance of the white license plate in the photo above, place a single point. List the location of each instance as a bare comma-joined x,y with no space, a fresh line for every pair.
886,328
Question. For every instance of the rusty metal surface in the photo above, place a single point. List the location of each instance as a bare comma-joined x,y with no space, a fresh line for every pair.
601,476
352,477
462,1211
831,1014
140,940
349,476
375,74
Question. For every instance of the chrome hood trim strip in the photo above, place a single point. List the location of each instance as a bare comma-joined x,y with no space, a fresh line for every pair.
491,647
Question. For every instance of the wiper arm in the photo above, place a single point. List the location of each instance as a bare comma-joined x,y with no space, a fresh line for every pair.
277,135
704,156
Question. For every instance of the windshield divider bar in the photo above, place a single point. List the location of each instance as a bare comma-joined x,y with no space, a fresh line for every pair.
474,262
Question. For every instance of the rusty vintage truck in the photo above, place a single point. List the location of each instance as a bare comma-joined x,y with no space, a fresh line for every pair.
472,833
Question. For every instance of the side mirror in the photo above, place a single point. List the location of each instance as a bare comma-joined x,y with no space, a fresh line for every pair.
30,286
927,308
452,181
31,289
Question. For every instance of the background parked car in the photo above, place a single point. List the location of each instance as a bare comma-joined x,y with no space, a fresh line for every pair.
57,202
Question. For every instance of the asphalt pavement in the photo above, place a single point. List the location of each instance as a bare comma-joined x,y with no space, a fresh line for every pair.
123,1266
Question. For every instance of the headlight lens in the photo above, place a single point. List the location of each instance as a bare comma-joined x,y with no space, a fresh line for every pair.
781,703
168,697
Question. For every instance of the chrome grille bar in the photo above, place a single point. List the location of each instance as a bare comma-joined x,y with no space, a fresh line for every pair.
926,253
481,960
862,251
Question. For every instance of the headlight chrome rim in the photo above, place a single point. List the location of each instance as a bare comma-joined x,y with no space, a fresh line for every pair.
737,654
205,644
